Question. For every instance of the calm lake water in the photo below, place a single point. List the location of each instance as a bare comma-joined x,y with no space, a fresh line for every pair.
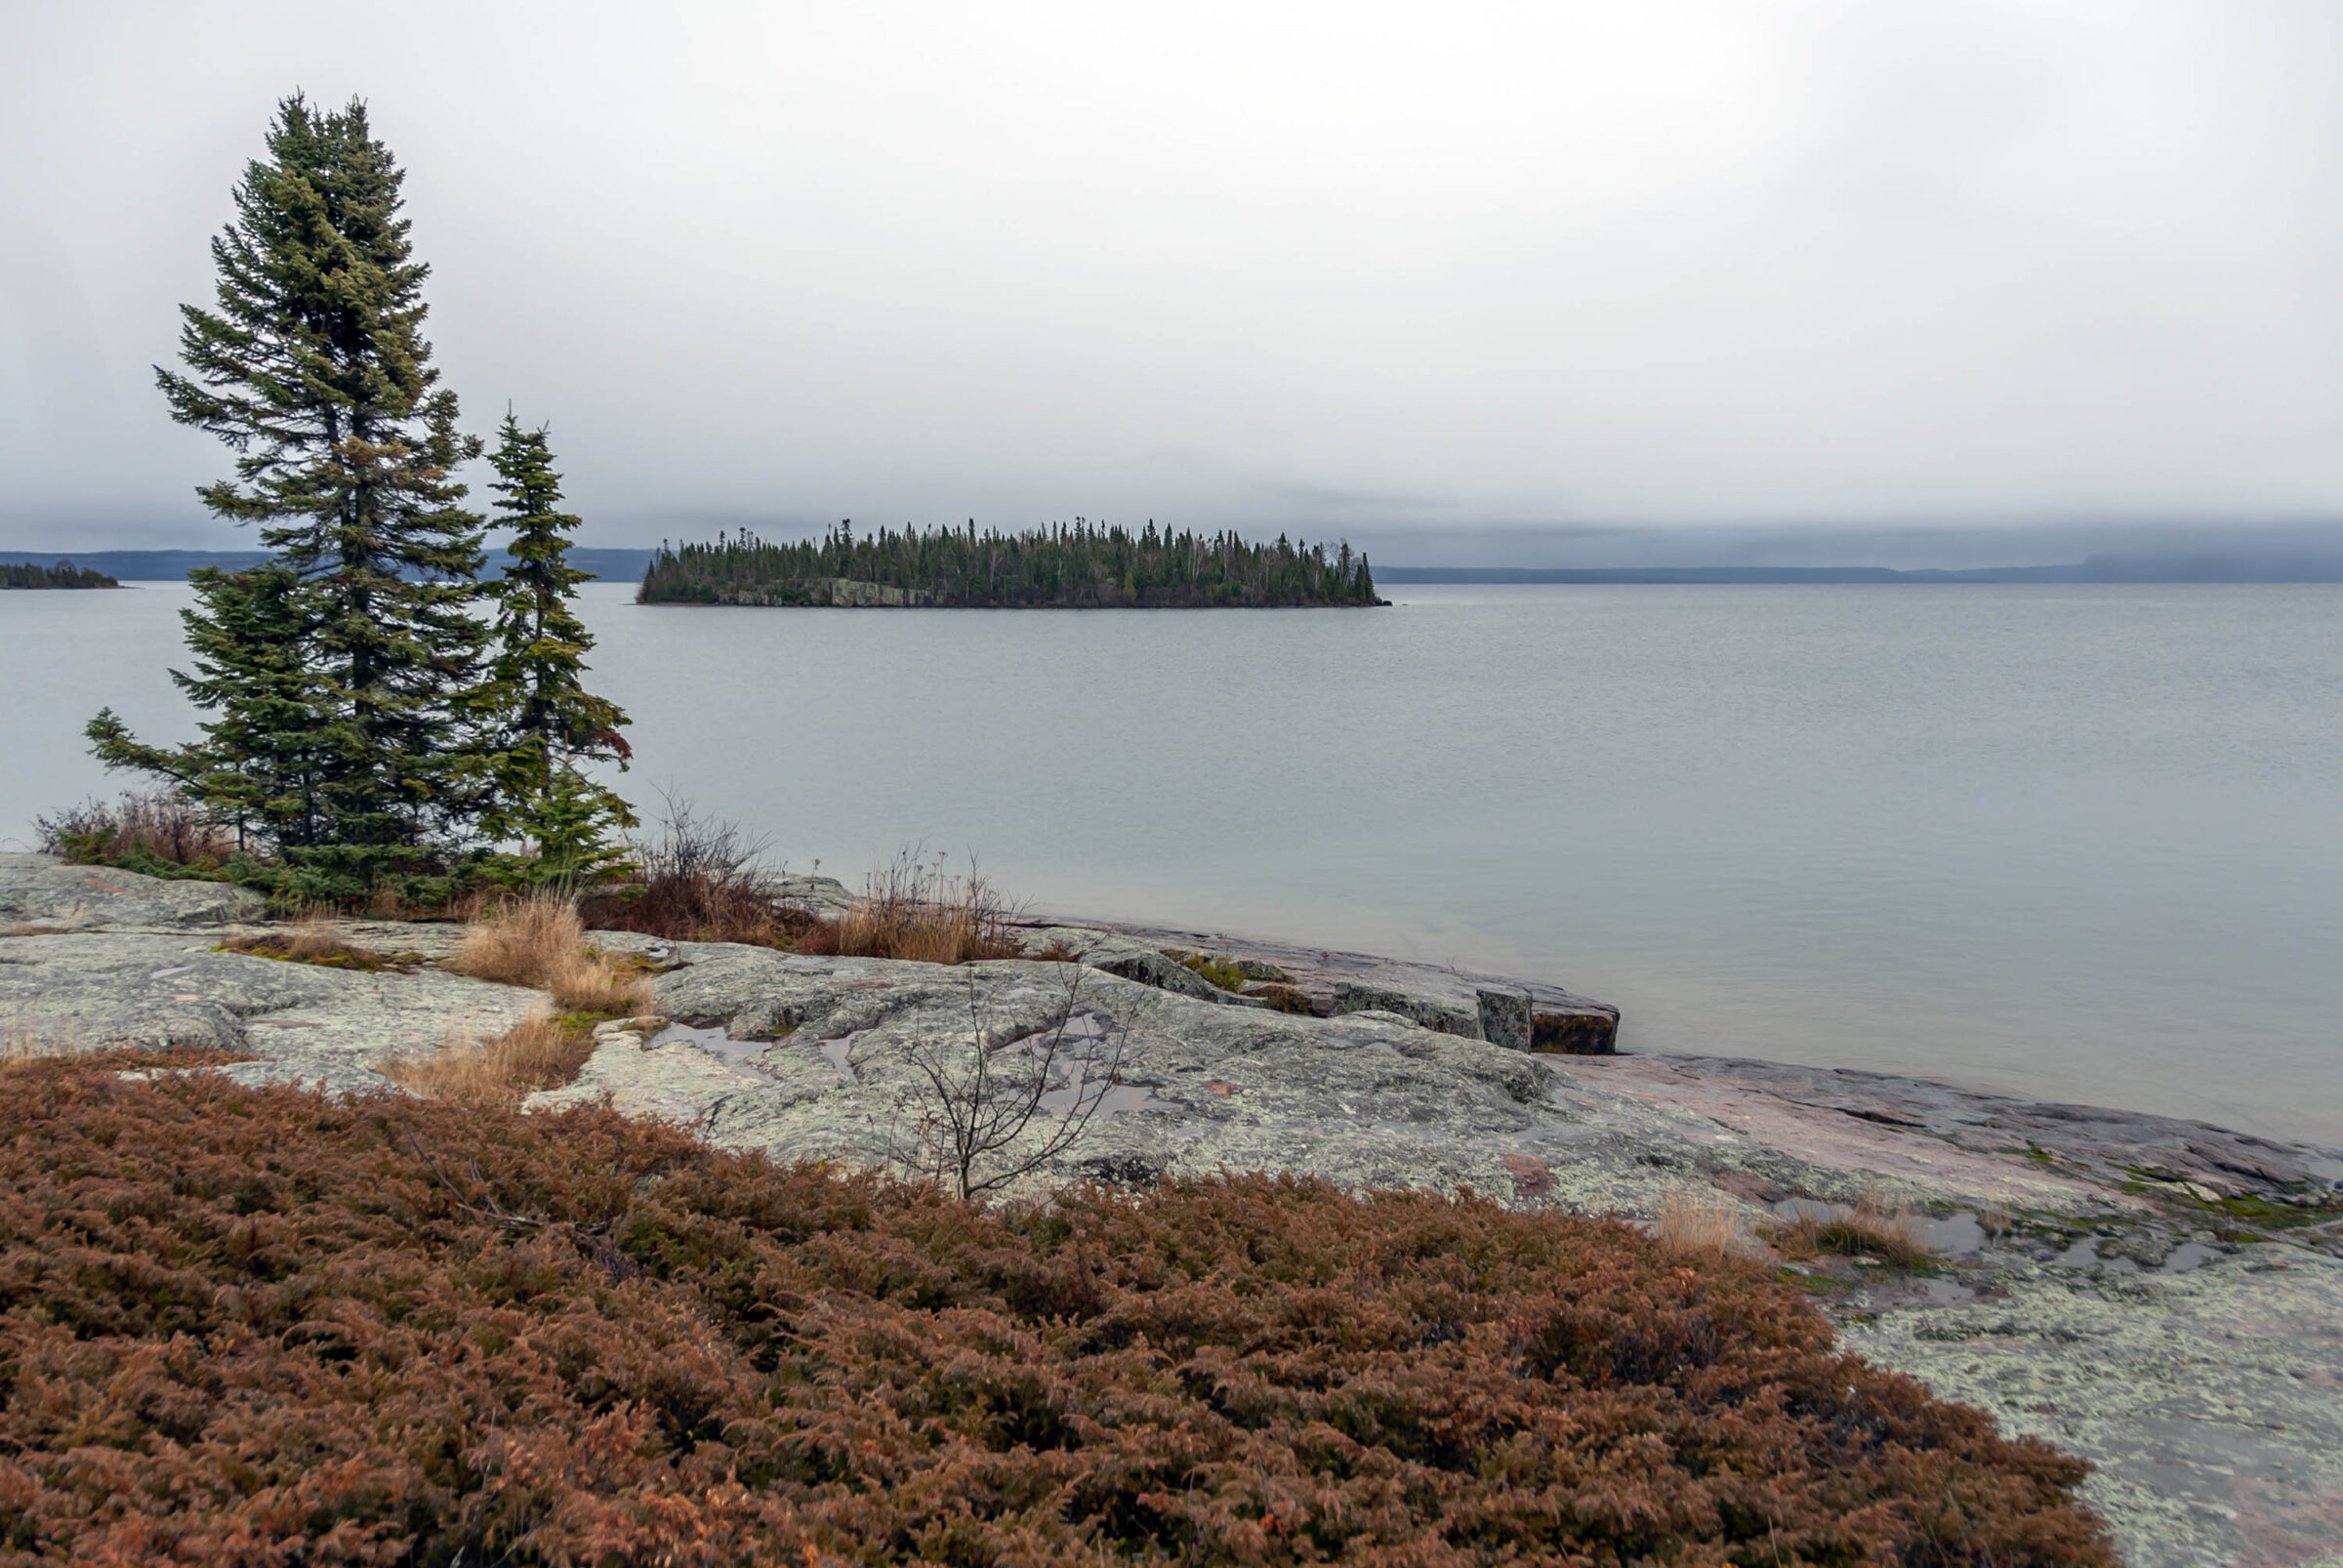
2078,844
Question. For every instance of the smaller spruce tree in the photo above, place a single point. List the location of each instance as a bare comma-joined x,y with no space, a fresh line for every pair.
543,723
266,762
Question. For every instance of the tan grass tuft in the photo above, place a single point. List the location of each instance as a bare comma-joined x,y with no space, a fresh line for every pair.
520,943
541,945
542,1053
1700,1221
595,982
1877,1226
913,909
312,936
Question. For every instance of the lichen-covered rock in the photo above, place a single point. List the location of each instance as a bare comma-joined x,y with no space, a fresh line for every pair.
1504,1015
42,890
1433,999
1121,956
331,1027
826,897
2211,1401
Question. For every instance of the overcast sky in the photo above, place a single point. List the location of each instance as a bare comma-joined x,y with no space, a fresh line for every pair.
1345,268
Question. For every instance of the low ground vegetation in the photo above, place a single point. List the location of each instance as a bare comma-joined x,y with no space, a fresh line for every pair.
256,1325
153,832
1878,1227
1701,1222
541,943
540,1053
1214,968
700,880
704,879
915,909
318,939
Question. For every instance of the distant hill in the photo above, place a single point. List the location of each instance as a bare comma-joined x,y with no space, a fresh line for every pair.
2196,566
170,566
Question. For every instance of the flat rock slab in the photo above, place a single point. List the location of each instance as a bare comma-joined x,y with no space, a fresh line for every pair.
2109,1149
41,890
331,1028
1447,1000
818,1062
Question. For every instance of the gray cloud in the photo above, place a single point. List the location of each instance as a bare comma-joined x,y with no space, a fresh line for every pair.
1409,271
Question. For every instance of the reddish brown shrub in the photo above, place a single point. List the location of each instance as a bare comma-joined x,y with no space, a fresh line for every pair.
151,822
702,879
257,1326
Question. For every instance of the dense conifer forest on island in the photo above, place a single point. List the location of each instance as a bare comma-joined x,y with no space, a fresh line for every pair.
64,574
1078,565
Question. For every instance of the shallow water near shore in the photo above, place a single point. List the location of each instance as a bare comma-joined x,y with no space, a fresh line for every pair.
2080,844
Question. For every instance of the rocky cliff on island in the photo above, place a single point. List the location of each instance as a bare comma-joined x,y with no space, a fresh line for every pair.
2162,1298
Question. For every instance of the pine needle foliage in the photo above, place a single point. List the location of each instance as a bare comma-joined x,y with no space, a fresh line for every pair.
266,762
547,724
258,1324
314,369
1082,565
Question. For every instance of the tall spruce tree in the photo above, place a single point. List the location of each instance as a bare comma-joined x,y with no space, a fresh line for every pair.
314,370
546,722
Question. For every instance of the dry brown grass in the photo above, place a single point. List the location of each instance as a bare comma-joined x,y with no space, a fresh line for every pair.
320,940
520,943
1700,1221
540,1053
913,909
34,928
1877,1226
541,945
18,1044
597,982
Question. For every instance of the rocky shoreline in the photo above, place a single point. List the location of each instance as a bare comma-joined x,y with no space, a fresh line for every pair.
2162,1296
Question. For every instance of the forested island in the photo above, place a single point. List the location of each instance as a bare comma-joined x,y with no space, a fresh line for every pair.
64,574
1078,565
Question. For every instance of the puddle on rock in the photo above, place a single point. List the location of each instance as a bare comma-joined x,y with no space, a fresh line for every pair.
715,1041
840,1053
1085,1039
2085,1254
1959,1234
2187,1255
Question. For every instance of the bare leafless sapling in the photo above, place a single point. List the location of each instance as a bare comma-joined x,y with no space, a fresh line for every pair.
1002,1103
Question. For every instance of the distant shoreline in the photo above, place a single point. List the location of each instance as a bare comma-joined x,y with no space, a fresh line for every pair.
2096,569
613,563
